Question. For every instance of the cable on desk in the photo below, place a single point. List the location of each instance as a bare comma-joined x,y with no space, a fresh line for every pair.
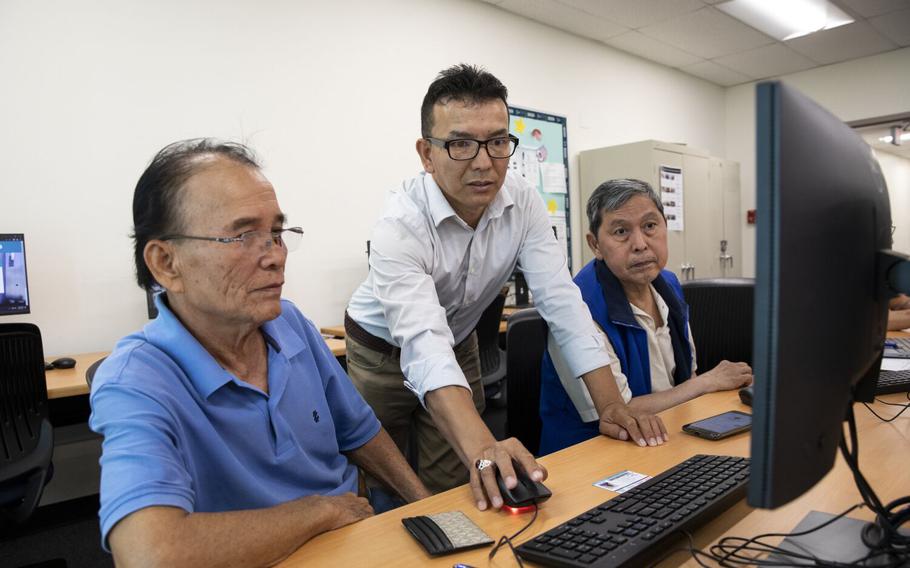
887,546
904,406
508,539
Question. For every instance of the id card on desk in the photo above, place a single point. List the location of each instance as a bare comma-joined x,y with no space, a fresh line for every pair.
622,481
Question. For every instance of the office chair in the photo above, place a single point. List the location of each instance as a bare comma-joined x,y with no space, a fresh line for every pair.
90,372
526,341
25,431
720,315
492,358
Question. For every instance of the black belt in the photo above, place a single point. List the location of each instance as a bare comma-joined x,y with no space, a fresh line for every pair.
366,338
378,344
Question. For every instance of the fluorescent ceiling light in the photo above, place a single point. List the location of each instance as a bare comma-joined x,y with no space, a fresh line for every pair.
888,139
787,19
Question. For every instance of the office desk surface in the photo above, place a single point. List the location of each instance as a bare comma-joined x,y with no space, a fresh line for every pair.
382,541
71,382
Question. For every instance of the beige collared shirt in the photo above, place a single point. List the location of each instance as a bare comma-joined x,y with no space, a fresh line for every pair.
660,357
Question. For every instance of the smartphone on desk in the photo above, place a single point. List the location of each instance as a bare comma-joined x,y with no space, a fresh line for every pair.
720,426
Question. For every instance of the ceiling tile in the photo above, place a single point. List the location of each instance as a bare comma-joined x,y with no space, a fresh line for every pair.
643,46
566,18
858,39
767,61
894,26
636,13
870,8
715,73
708,33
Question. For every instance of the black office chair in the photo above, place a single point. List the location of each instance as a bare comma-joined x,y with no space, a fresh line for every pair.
492,358
720,315
90,372
25,431
526,341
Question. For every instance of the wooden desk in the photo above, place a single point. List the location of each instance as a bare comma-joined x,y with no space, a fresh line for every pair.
382,541
334,331
71,382
338,330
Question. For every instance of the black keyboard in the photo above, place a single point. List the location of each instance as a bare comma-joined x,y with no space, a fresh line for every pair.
636,527
892,381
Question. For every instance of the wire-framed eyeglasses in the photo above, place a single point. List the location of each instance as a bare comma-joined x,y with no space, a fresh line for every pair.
261,241
462,149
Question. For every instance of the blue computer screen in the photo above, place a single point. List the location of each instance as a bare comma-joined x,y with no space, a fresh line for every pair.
13,277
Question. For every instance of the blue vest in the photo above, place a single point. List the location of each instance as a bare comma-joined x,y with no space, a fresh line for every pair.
562,426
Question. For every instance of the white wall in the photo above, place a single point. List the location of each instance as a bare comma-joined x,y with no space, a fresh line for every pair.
327,92
863,88
897,175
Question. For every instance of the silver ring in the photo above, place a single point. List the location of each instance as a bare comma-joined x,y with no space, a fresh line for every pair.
482,464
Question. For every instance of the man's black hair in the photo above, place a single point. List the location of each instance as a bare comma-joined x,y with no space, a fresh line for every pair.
157,200
464,83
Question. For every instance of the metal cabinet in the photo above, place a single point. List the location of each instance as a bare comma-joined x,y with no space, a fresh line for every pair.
710,243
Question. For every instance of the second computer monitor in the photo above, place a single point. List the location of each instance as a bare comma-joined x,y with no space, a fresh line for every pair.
14,297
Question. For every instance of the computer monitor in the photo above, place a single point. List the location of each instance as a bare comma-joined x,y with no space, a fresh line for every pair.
820,304
13,275
824,274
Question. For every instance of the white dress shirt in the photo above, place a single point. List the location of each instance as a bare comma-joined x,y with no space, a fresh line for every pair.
660,360
432,276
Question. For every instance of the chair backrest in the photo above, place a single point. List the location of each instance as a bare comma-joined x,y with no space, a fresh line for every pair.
720,315
26,436
488,335
90,372
526,341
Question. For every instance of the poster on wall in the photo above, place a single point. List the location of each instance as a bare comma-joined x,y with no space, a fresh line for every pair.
671,195
542,158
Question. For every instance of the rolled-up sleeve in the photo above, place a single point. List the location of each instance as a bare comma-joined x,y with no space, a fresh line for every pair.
557,298
400,263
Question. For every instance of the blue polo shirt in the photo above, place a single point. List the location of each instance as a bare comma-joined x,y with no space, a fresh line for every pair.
181,431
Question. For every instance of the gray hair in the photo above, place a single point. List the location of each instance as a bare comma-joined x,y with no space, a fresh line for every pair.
613,194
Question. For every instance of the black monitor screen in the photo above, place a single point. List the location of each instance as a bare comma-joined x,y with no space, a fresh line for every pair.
13,277
823,217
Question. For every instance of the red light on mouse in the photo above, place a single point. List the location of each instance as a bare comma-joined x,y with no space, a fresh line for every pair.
518,510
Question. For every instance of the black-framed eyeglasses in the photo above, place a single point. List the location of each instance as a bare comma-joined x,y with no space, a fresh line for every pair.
260,241
462,149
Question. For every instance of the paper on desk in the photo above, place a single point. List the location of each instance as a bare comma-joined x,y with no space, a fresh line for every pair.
889,364
622,481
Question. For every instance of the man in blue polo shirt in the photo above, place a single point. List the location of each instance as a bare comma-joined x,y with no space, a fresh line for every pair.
231,434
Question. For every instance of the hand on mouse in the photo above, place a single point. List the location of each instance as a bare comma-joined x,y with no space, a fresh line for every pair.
499,455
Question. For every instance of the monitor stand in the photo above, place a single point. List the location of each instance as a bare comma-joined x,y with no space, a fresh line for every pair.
840,541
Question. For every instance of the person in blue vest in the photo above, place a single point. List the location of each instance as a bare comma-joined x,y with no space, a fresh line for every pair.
640,309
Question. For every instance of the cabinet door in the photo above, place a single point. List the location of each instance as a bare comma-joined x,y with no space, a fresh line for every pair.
703,216
676,242
733,217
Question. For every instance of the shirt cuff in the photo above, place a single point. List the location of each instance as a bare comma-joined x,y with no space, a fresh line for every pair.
585,353
433,373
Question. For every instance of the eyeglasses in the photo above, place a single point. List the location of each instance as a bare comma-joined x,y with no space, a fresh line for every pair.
463,149
262,241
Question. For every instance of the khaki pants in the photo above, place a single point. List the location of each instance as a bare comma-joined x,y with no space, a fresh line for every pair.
380,381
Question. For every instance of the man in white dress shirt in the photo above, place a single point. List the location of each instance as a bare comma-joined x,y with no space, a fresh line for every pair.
444,246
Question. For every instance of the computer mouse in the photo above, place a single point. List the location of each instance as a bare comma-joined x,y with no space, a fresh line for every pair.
64,363
745,395
526,493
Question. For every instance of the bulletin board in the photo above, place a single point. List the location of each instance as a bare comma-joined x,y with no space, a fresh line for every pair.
542,158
